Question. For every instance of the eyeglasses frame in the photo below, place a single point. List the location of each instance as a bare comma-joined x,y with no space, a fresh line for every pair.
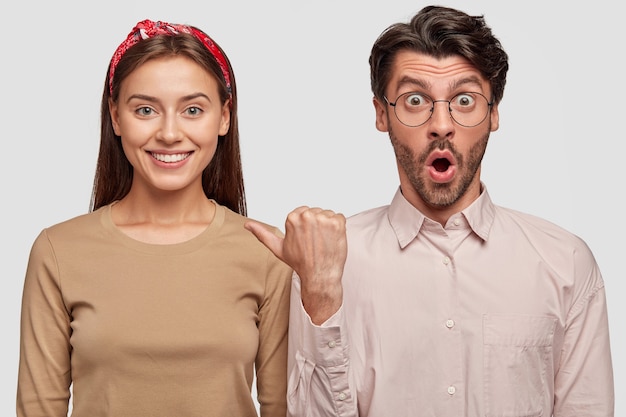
432,109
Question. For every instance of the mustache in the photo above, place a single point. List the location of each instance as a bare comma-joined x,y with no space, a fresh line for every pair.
435,144
441,144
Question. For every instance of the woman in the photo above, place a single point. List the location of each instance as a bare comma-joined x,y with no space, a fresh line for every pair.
158,302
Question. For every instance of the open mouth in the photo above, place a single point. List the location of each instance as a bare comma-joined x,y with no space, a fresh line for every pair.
176,157
441,164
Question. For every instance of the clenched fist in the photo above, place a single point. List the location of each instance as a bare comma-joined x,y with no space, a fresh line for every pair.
315,246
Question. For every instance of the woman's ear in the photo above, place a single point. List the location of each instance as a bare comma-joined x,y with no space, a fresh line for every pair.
114,117
225,121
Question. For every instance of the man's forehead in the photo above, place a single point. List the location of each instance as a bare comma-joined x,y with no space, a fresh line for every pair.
425,71
407,61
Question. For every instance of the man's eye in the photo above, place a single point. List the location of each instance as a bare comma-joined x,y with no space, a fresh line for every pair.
414,99
464,100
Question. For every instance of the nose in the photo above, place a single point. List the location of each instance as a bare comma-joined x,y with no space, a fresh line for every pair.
441,124
169,131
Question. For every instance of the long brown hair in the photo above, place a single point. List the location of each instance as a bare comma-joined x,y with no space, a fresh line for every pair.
222,179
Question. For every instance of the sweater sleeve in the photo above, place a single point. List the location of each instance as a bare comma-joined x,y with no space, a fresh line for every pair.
44,375
271,361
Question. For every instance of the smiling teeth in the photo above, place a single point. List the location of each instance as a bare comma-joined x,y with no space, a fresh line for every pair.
169,157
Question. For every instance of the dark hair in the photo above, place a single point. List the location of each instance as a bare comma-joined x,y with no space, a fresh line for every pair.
441,32
222,179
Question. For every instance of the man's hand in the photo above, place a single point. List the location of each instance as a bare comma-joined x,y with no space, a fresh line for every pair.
315,246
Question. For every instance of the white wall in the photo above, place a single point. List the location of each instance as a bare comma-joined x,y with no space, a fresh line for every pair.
307,123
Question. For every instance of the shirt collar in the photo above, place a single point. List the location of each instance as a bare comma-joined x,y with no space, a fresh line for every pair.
407,221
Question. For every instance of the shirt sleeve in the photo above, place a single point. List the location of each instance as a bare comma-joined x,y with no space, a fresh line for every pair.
584,384
44,375
271,359
318,364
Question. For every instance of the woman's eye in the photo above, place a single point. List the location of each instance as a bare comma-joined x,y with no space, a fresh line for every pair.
145,111
193,111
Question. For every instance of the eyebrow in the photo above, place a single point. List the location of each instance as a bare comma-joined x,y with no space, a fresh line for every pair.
464,81
152,99
413,81
455,84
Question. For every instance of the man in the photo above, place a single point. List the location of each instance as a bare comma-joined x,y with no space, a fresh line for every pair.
447,304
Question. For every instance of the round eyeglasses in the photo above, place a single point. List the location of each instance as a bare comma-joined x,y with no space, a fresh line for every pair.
468,109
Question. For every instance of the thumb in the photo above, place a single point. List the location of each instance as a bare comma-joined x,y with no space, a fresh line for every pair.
267,237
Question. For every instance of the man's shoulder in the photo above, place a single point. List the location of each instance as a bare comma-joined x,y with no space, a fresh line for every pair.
535,226
367,219
368,214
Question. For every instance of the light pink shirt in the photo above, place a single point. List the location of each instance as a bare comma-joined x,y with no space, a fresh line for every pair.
498,313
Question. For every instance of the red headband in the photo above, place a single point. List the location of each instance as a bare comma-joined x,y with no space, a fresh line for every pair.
148,29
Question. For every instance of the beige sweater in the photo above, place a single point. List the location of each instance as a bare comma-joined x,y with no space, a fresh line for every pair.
152,330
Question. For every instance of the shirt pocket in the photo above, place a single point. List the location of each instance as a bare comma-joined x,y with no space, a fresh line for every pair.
518,365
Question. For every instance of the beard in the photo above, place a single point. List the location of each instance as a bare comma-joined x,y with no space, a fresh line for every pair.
440,194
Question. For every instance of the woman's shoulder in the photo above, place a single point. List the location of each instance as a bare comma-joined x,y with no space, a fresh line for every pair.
79,224
238,220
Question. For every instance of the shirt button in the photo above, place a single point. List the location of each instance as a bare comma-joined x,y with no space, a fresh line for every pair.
445,260
342,396
451,390
332,344
450,323
457,222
